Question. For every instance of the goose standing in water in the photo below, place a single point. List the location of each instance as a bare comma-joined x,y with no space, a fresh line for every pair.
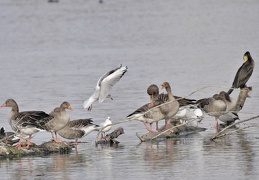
104,85
161,110
244,73
24,123
58,122
76,129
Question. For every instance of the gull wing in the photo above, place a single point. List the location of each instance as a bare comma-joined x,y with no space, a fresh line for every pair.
110,79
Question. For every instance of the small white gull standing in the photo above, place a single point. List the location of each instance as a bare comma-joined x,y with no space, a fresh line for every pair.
104,85
105,129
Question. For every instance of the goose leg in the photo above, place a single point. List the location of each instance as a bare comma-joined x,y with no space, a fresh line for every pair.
57,139
76,145
167,124
216,125
151,125
28,142
19,144
52,134
148,128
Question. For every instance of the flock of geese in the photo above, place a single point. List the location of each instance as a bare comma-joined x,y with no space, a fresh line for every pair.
161,107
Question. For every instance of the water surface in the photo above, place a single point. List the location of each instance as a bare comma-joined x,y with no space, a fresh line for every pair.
55,52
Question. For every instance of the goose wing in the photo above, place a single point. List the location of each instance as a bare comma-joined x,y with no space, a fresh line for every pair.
30,118
76,124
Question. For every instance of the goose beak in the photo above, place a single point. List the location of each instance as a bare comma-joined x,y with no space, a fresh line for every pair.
3,105
69,107
163,86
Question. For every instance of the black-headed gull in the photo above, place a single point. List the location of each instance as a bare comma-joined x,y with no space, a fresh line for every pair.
105,123
104,85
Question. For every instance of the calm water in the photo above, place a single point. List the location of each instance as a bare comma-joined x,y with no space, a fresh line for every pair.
52,52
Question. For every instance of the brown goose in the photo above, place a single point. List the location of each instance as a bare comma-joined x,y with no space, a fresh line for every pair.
58,122
161,110
153,92
76,129
24,123
231,102
156,98
214,106
244,73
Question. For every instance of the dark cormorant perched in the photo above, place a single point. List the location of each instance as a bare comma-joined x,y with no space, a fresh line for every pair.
244,73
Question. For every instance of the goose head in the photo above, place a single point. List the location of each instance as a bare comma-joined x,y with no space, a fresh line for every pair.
66,105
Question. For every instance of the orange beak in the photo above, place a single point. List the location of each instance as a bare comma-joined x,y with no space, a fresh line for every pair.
3,105
69,107
163,86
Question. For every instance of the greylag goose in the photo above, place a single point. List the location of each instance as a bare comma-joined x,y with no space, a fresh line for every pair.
244,73
76,129
231,102
160,110
214,106
58,122
104,85
224,107
156,98
105,123
153,92
24,123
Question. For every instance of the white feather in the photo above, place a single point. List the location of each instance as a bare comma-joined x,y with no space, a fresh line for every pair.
105,123
109,81
91,100
104,85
